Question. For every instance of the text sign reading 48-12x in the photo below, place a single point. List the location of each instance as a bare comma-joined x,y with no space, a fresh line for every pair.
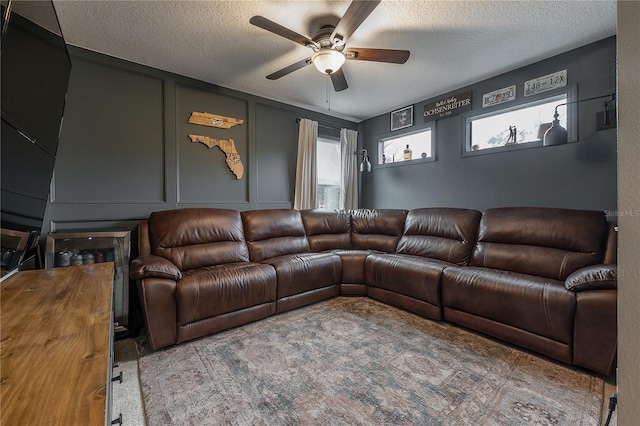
545,83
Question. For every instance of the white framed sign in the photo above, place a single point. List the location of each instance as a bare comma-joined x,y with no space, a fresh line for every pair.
545,83
499,96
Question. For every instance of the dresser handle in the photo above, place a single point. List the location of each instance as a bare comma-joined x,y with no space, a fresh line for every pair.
117,421
117,378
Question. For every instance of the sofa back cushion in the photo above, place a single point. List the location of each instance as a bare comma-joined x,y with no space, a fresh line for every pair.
440,233
198,237
327,229
546,242
274,232
379,229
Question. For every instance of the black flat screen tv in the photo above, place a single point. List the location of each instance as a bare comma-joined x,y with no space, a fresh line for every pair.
35,69
35,75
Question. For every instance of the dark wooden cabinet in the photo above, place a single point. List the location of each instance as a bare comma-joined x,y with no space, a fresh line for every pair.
94,247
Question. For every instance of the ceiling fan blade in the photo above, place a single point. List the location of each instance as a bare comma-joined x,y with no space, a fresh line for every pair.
265,24
355,15
288,70
339,80
377,55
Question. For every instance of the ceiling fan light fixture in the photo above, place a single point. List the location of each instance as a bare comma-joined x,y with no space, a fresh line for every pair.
328,61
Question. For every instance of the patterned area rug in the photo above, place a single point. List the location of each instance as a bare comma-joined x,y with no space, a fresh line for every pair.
355,361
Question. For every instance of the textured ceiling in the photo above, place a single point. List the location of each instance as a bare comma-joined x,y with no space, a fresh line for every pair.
452,43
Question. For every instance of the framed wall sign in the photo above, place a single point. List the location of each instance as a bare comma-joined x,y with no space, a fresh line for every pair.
402,118
448,107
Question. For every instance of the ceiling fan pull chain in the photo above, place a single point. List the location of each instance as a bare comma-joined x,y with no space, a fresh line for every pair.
328,92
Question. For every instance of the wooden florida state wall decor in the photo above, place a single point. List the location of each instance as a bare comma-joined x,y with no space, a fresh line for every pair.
227,146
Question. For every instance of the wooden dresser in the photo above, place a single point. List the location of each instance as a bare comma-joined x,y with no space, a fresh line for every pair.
56,346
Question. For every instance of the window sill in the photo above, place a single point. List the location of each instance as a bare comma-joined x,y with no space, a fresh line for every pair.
406,163
504,148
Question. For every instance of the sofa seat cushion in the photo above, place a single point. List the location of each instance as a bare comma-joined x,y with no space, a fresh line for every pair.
414,276
302,272
215,290
353,265
541,306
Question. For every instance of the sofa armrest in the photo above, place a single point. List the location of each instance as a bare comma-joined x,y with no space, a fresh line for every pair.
595,277
158,302
151,266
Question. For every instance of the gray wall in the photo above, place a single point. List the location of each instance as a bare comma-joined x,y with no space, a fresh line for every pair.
124,151
577,175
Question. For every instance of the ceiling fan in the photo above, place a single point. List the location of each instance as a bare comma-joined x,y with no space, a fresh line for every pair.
328,45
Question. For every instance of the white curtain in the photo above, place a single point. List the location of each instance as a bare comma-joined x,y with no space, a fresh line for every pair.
349,190
306,169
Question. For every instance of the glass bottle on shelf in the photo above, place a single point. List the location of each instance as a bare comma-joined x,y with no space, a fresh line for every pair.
407,153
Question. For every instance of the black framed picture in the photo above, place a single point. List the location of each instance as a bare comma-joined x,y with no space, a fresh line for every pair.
402,118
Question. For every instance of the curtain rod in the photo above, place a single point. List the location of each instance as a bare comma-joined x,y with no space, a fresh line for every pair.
322,125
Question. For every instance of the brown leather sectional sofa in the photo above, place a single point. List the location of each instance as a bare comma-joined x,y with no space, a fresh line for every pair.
543,279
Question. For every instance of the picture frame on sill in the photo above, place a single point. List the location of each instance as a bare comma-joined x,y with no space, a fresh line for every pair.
402,118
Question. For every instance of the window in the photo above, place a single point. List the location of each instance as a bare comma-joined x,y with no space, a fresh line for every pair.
417,145
329,161
514,127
